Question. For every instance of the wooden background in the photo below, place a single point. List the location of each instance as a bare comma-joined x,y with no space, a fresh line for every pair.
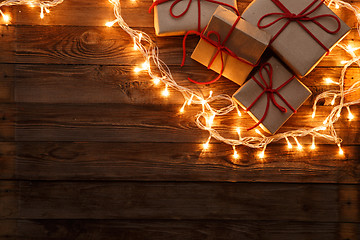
90,150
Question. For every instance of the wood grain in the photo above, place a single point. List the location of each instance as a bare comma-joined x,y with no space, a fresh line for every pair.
119,84
9,196
104,46
179,200
177,230
174,161
101,12
136,123
90,150
7,122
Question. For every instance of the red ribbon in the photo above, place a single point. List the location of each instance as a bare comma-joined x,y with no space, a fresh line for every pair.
268,89
299,18
219,45
188,6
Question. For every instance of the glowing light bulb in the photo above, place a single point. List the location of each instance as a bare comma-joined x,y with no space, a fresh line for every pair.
299,146
235,155
190,100
145,65
288,143
338,113
211,120
238,130
350,116
165,93
337,6
313,114
329,81
156,81
325,121
333,101
206,145
351,48
5,17
203,102
313,143
31,5
137,69
110,24
238,111
341,152
42,13
258,132
182,109
262,153
47,10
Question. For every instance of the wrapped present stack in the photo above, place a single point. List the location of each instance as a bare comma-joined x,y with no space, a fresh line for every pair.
299,34
176,17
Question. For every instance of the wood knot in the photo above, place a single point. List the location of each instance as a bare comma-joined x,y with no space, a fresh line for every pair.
90,38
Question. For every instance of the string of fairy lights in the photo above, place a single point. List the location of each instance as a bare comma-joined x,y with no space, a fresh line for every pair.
43,5
160,73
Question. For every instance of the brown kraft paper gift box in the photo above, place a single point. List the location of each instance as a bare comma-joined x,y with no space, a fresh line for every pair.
246,41
294,92
296,47
167,25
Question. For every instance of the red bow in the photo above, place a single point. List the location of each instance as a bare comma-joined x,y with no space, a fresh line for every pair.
219,45
157,2
268,89
302,16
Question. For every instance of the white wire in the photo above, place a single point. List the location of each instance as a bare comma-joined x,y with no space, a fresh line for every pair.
150,53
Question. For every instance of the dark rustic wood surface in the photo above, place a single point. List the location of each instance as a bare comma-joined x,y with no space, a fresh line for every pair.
90,150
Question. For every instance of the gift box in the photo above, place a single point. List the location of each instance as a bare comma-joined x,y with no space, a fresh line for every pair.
272,95
177,17
303,31
230,46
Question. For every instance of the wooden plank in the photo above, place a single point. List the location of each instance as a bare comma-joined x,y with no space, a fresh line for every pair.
7,122
77,12
148,123
188,162
176,229
8,229
119,84
108,46
8,160
178,200
9,191
7,78
8,44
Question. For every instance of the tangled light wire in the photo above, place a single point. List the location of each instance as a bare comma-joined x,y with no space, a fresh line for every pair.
204,119
43,5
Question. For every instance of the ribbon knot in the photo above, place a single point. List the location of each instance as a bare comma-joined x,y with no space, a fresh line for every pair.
299,18
292,16
270,92
157,2
219,45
